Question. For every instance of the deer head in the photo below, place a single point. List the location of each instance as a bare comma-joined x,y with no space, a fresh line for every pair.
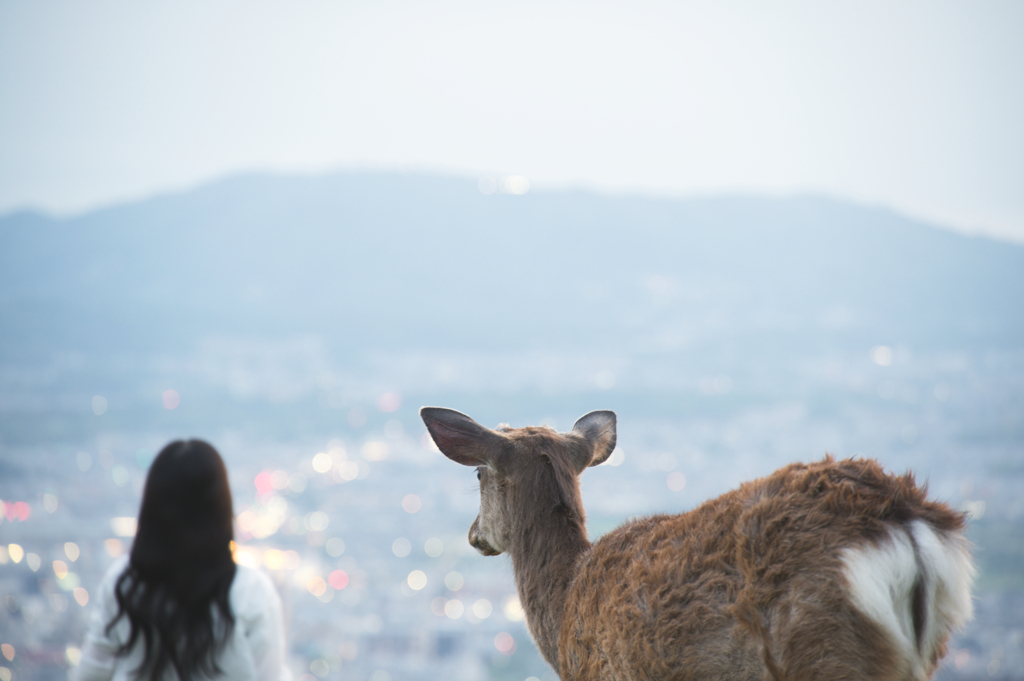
524,473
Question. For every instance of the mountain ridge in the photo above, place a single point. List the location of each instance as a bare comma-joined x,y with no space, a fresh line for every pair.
429,260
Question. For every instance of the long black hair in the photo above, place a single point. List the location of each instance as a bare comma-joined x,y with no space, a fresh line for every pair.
180,569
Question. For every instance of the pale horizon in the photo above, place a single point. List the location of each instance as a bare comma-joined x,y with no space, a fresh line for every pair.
914,108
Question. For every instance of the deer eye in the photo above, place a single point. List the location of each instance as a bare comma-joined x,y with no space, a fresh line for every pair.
477,473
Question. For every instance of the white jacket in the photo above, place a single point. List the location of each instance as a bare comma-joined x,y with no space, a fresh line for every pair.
255,651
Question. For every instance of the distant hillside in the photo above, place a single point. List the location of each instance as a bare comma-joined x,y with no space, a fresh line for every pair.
375,261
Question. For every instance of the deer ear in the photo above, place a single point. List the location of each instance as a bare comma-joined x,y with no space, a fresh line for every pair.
597,428
460,438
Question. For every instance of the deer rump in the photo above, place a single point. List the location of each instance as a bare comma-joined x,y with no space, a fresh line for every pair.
829,570
822,571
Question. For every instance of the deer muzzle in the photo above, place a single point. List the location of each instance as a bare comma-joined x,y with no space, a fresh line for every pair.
478,542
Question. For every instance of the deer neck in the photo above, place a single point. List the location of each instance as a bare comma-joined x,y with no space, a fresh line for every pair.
545,559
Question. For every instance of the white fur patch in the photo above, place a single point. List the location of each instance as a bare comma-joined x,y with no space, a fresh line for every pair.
951,573
882,579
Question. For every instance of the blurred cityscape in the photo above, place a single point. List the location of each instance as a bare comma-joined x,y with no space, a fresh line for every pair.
363,526
341,497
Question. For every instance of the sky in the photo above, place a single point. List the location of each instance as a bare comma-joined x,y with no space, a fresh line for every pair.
916,105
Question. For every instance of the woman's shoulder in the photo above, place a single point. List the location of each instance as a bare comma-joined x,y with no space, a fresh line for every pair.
250,579
252,589
113,572
104,601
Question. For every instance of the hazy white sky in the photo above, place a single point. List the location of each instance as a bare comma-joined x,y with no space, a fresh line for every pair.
914,105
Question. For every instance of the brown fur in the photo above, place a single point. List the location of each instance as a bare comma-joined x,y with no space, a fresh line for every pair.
746,586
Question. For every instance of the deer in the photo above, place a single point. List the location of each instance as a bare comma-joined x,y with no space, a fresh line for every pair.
829,570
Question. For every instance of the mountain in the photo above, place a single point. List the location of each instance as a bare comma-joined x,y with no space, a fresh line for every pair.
388,261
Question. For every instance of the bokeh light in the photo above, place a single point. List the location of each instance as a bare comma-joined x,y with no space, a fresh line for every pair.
316,585
120,475
433,547
676,481
514,184
338,579
374,450
317,521
17,510
347,470
144,457
908,433
273,559
881,355
512,609
320,668
505,644
454,581
123,526
264,482
411,503
401,547
605,380
113,547
453,609
322,462
279,479
171,399
482,608
416,580
389,402
83,460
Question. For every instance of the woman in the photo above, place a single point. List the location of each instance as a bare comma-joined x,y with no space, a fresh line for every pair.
178,607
